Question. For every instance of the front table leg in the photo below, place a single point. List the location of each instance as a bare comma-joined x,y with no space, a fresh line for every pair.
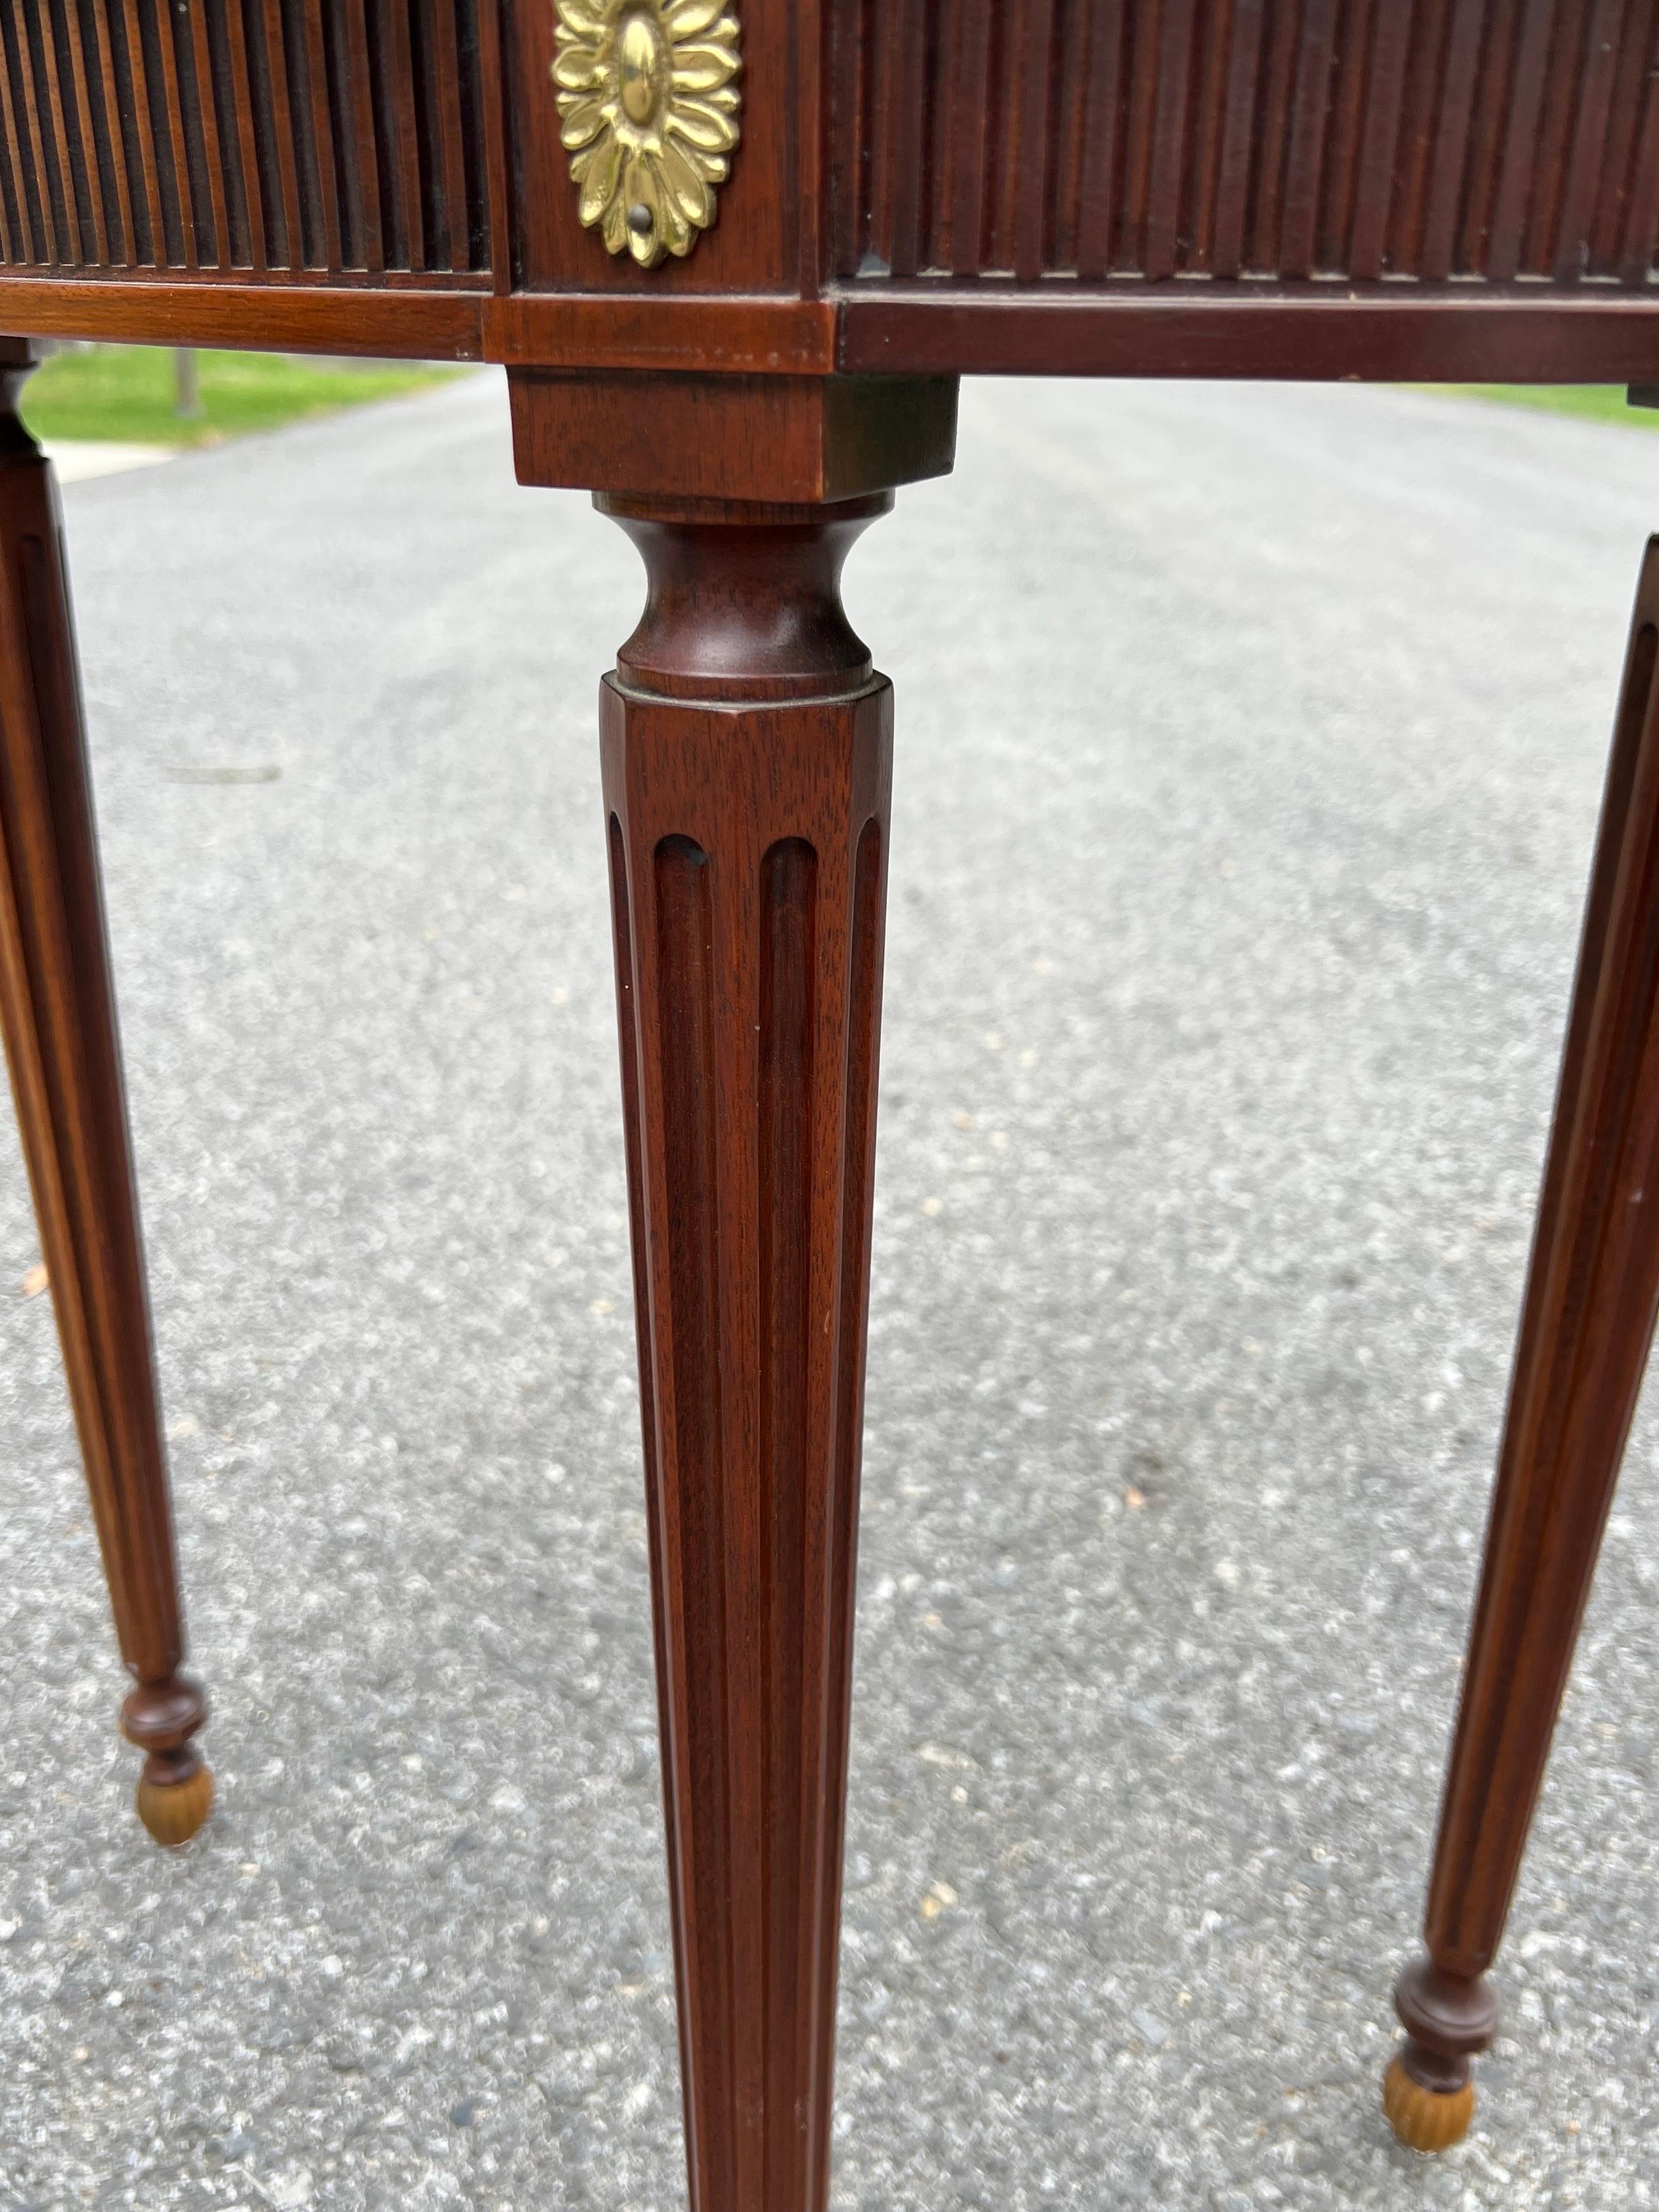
58,1012
747,752
1592,1293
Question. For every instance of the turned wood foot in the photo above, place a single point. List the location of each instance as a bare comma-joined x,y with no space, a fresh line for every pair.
1425,2119
175,1790
1428,2093
747,762
58,1012
1587,1322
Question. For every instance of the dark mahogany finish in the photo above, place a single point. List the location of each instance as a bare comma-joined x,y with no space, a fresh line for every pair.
1592,1297
1218,139
747,749
58,1012
1384,188
1411,189
769,438
254,142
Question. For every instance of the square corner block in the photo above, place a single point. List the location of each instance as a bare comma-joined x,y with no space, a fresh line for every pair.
786,439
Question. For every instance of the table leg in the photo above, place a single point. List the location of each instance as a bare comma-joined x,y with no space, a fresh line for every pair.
746,750
1592,1294
58,1012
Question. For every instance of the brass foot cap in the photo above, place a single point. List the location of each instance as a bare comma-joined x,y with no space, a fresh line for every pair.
1425,2119
173,1811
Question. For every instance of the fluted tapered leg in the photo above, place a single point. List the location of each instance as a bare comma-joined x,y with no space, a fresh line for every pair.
747,760
1592,1294
58,1012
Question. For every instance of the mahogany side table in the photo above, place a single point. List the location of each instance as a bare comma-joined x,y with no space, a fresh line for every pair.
735,255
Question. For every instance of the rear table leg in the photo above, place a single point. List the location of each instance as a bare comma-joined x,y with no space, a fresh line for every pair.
1592,1294
58,1012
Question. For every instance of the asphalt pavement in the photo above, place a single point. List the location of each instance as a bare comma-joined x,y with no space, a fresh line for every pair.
1249,747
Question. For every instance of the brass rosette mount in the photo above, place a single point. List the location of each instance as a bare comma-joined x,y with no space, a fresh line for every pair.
649,102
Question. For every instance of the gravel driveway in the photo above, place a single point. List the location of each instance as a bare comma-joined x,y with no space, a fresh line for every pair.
1249,746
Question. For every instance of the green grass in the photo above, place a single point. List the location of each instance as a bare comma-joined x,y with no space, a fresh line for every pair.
1591,403
128,393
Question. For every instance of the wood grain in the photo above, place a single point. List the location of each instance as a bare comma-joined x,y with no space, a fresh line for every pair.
436,325
1592,1297
747,766
1447,334
220,122
1352,140
776,438
1305,188
1592,1300
58,1014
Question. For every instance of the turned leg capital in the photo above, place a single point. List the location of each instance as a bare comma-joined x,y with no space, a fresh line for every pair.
743,597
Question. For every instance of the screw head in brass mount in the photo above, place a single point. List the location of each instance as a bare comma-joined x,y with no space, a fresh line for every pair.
650,104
